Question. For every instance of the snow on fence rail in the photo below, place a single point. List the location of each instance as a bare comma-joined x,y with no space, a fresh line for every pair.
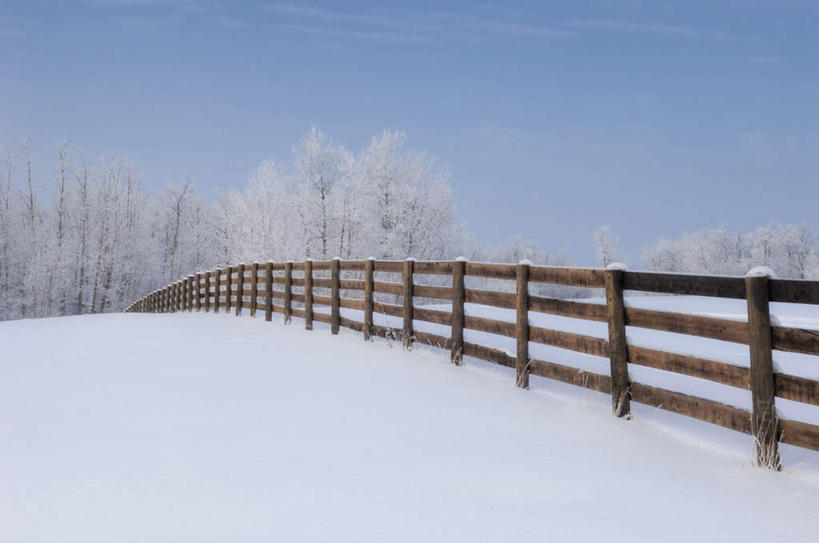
294,289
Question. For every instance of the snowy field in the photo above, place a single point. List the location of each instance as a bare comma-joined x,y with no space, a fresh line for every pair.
200,428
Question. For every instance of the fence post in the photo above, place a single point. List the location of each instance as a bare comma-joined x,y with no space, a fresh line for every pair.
189,305
335,302
207,291
217,290
457,352
522,325
197,291
764,423
240,288
308,294
254,287
618,349
288,291
408,283
228,288
369,266
268,291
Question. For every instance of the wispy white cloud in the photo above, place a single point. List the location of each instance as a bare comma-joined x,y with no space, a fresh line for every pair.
617,25
765,59
406,25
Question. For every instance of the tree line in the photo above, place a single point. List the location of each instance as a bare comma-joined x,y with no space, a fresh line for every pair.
90,237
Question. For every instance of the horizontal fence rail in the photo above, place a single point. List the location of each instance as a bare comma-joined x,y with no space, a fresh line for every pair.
297,289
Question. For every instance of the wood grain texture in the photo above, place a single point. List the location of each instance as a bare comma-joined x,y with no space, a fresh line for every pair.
457,322
618,355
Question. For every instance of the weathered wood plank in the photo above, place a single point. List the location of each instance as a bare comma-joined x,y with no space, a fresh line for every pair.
567,308
388,266
719,372
505,300
432,315
352,324
800,434
798,389
795,340
388,309
567,340
433,268
794,291
433,340
349,303
492,271
388,288
674,283
350,284
353,265
438,293
489,354
573,277
723,329
572,376
490,325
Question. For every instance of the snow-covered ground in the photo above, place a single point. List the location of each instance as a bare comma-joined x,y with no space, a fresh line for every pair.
201,427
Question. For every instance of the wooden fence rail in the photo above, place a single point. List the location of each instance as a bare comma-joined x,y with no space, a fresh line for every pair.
276,287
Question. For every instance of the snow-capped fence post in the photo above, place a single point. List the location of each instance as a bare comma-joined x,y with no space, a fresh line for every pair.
254,287
522,324
228,288
240,288
288,292
308,294
335,302
369,265
764,424
407,292
457,322
268,291
618,349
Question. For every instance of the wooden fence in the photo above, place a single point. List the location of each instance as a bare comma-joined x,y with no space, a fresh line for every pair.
291,290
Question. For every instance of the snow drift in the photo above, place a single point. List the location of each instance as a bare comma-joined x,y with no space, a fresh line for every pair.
200,427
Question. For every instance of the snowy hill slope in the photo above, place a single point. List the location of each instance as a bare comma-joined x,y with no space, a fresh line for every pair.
195,427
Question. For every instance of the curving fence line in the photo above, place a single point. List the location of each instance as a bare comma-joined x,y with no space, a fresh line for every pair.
373,287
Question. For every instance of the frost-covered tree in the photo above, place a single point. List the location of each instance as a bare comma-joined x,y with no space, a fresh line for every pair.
790,250
607,246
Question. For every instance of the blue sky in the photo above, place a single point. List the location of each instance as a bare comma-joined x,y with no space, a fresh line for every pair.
554,117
